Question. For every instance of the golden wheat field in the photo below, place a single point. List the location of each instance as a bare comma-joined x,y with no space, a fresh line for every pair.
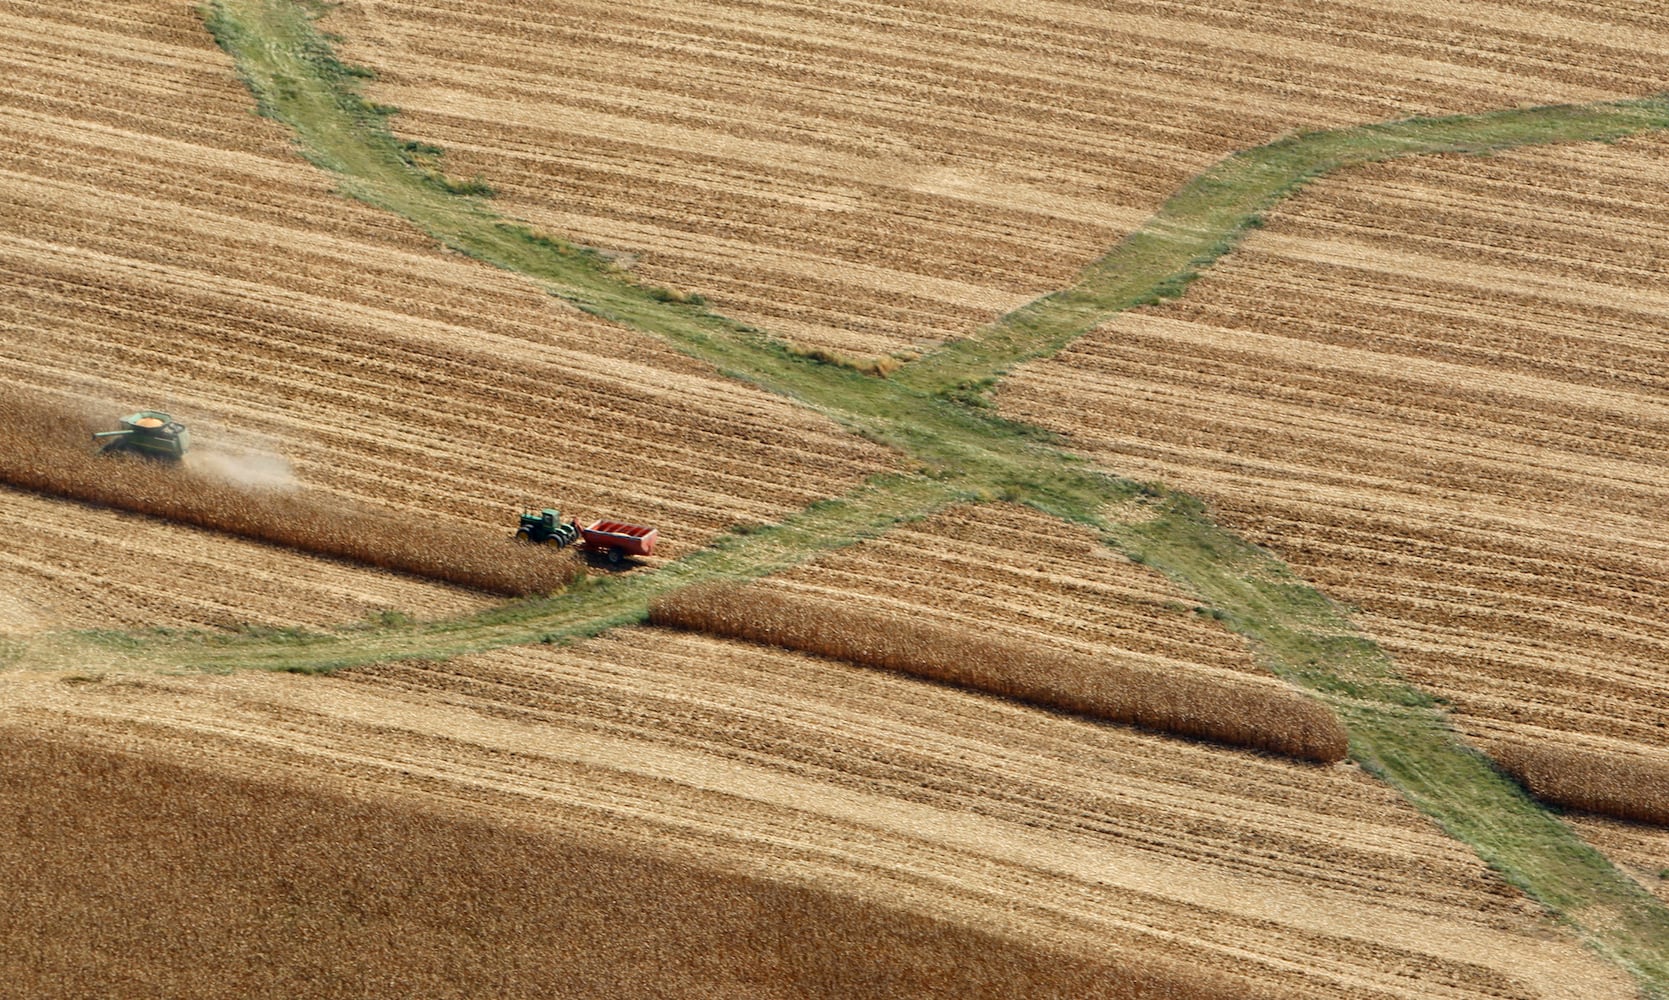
861,790
213,875
1434,387
873,177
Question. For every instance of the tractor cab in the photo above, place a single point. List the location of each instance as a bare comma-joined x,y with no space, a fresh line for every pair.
546,527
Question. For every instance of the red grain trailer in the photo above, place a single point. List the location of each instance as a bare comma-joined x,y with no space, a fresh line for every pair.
616,540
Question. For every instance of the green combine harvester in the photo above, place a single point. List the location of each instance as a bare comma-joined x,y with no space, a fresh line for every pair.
147,432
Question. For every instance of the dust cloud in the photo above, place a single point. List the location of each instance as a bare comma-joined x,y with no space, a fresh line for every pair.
251,469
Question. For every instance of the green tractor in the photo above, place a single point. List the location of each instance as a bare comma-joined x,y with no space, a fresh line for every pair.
546,527
147,432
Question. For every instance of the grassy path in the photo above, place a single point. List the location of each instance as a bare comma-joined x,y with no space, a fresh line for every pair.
1398,733
1214,210
599,604
934,412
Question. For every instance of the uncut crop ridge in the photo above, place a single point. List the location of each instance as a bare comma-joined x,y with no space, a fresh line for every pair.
1623,787
1272,717
47,449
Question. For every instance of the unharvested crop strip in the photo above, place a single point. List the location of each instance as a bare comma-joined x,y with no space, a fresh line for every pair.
1626,787
1236,711
47,449
588,609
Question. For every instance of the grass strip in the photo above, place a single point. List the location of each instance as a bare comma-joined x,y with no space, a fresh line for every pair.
1214,211
1398,733
587,609
298,81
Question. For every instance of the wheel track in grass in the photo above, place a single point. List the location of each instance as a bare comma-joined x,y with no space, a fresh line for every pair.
935,411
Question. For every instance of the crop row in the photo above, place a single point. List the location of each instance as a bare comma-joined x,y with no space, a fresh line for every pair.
48,449
1622,786
1244,713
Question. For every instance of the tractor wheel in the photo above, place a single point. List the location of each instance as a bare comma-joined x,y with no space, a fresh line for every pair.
615,554
523,536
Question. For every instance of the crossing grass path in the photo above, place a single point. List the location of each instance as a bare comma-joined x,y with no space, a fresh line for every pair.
1210,214
935,411
596,605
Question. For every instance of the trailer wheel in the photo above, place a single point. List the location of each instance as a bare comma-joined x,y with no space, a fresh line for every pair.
615,554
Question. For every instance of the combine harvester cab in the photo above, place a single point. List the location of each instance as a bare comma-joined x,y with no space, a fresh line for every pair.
617,540
148,432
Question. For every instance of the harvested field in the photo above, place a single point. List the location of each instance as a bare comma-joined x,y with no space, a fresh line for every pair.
162,247
1231,709
752,151
1436,388
853,791
69,566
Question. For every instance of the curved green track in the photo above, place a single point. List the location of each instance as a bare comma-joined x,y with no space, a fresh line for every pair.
934,411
